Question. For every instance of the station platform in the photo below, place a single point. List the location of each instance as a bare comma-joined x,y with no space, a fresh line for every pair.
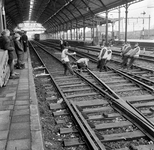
20,127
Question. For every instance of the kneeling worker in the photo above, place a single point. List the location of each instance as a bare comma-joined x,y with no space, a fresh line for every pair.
82,63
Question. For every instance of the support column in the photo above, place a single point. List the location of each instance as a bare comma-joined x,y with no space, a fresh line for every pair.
119,26
149,27
76,31
63,31
93,29
84,35
106,34
71,31
67,30
126,13
1,17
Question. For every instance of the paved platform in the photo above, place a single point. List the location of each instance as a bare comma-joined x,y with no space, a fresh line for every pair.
19,116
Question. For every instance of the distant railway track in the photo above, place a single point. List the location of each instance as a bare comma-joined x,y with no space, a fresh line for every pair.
141,73
94,104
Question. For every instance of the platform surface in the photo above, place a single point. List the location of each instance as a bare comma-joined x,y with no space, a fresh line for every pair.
19,116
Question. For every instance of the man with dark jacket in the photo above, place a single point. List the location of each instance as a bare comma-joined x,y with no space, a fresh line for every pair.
24,39
6,44
19,51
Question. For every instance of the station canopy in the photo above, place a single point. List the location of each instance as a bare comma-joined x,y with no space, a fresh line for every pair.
59,14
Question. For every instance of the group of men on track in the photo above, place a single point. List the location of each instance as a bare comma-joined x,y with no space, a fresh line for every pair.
128,54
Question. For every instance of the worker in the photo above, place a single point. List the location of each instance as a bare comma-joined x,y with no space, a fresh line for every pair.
61,44
99,60
65,59
82,64
125,54
134,55
104,56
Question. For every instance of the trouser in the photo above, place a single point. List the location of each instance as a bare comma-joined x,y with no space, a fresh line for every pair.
132,59
25,46
98,64
125,61
10,62
61,46
67,66
20,57
102,65
81,65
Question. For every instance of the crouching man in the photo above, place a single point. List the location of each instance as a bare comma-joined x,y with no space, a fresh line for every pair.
82,64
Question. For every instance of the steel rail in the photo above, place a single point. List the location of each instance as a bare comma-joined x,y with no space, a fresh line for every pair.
141,122
90,142
139,117
126,107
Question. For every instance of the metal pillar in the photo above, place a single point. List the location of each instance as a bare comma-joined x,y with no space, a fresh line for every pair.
126,13
76,31
84,35
92,30
1,17
119,26
71,30
4,18
106,34
149,27
113,29
67,31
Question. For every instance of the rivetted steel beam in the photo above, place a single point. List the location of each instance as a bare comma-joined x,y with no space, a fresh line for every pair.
76,9
88,7
57,11
1,17
103,4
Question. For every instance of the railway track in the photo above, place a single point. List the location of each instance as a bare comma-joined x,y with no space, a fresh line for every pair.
108,126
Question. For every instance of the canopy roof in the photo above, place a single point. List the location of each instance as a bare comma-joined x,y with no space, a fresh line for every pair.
60,14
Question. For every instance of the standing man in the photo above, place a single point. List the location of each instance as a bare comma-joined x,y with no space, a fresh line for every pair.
24,41
134,55
125,54
19,51
61,44
104,57
65,59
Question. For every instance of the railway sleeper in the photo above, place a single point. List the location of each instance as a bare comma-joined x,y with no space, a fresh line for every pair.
105,126
127,89
97,110
81,95
133,99
69,83
101,117
68,130
140,147
117,81
56,106
96,102
60,113
146,104
123,136
74,85
73,142
77,90
67,79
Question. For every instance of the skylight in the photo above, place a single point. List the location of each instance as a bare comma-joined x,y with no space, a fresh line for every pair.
30,9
